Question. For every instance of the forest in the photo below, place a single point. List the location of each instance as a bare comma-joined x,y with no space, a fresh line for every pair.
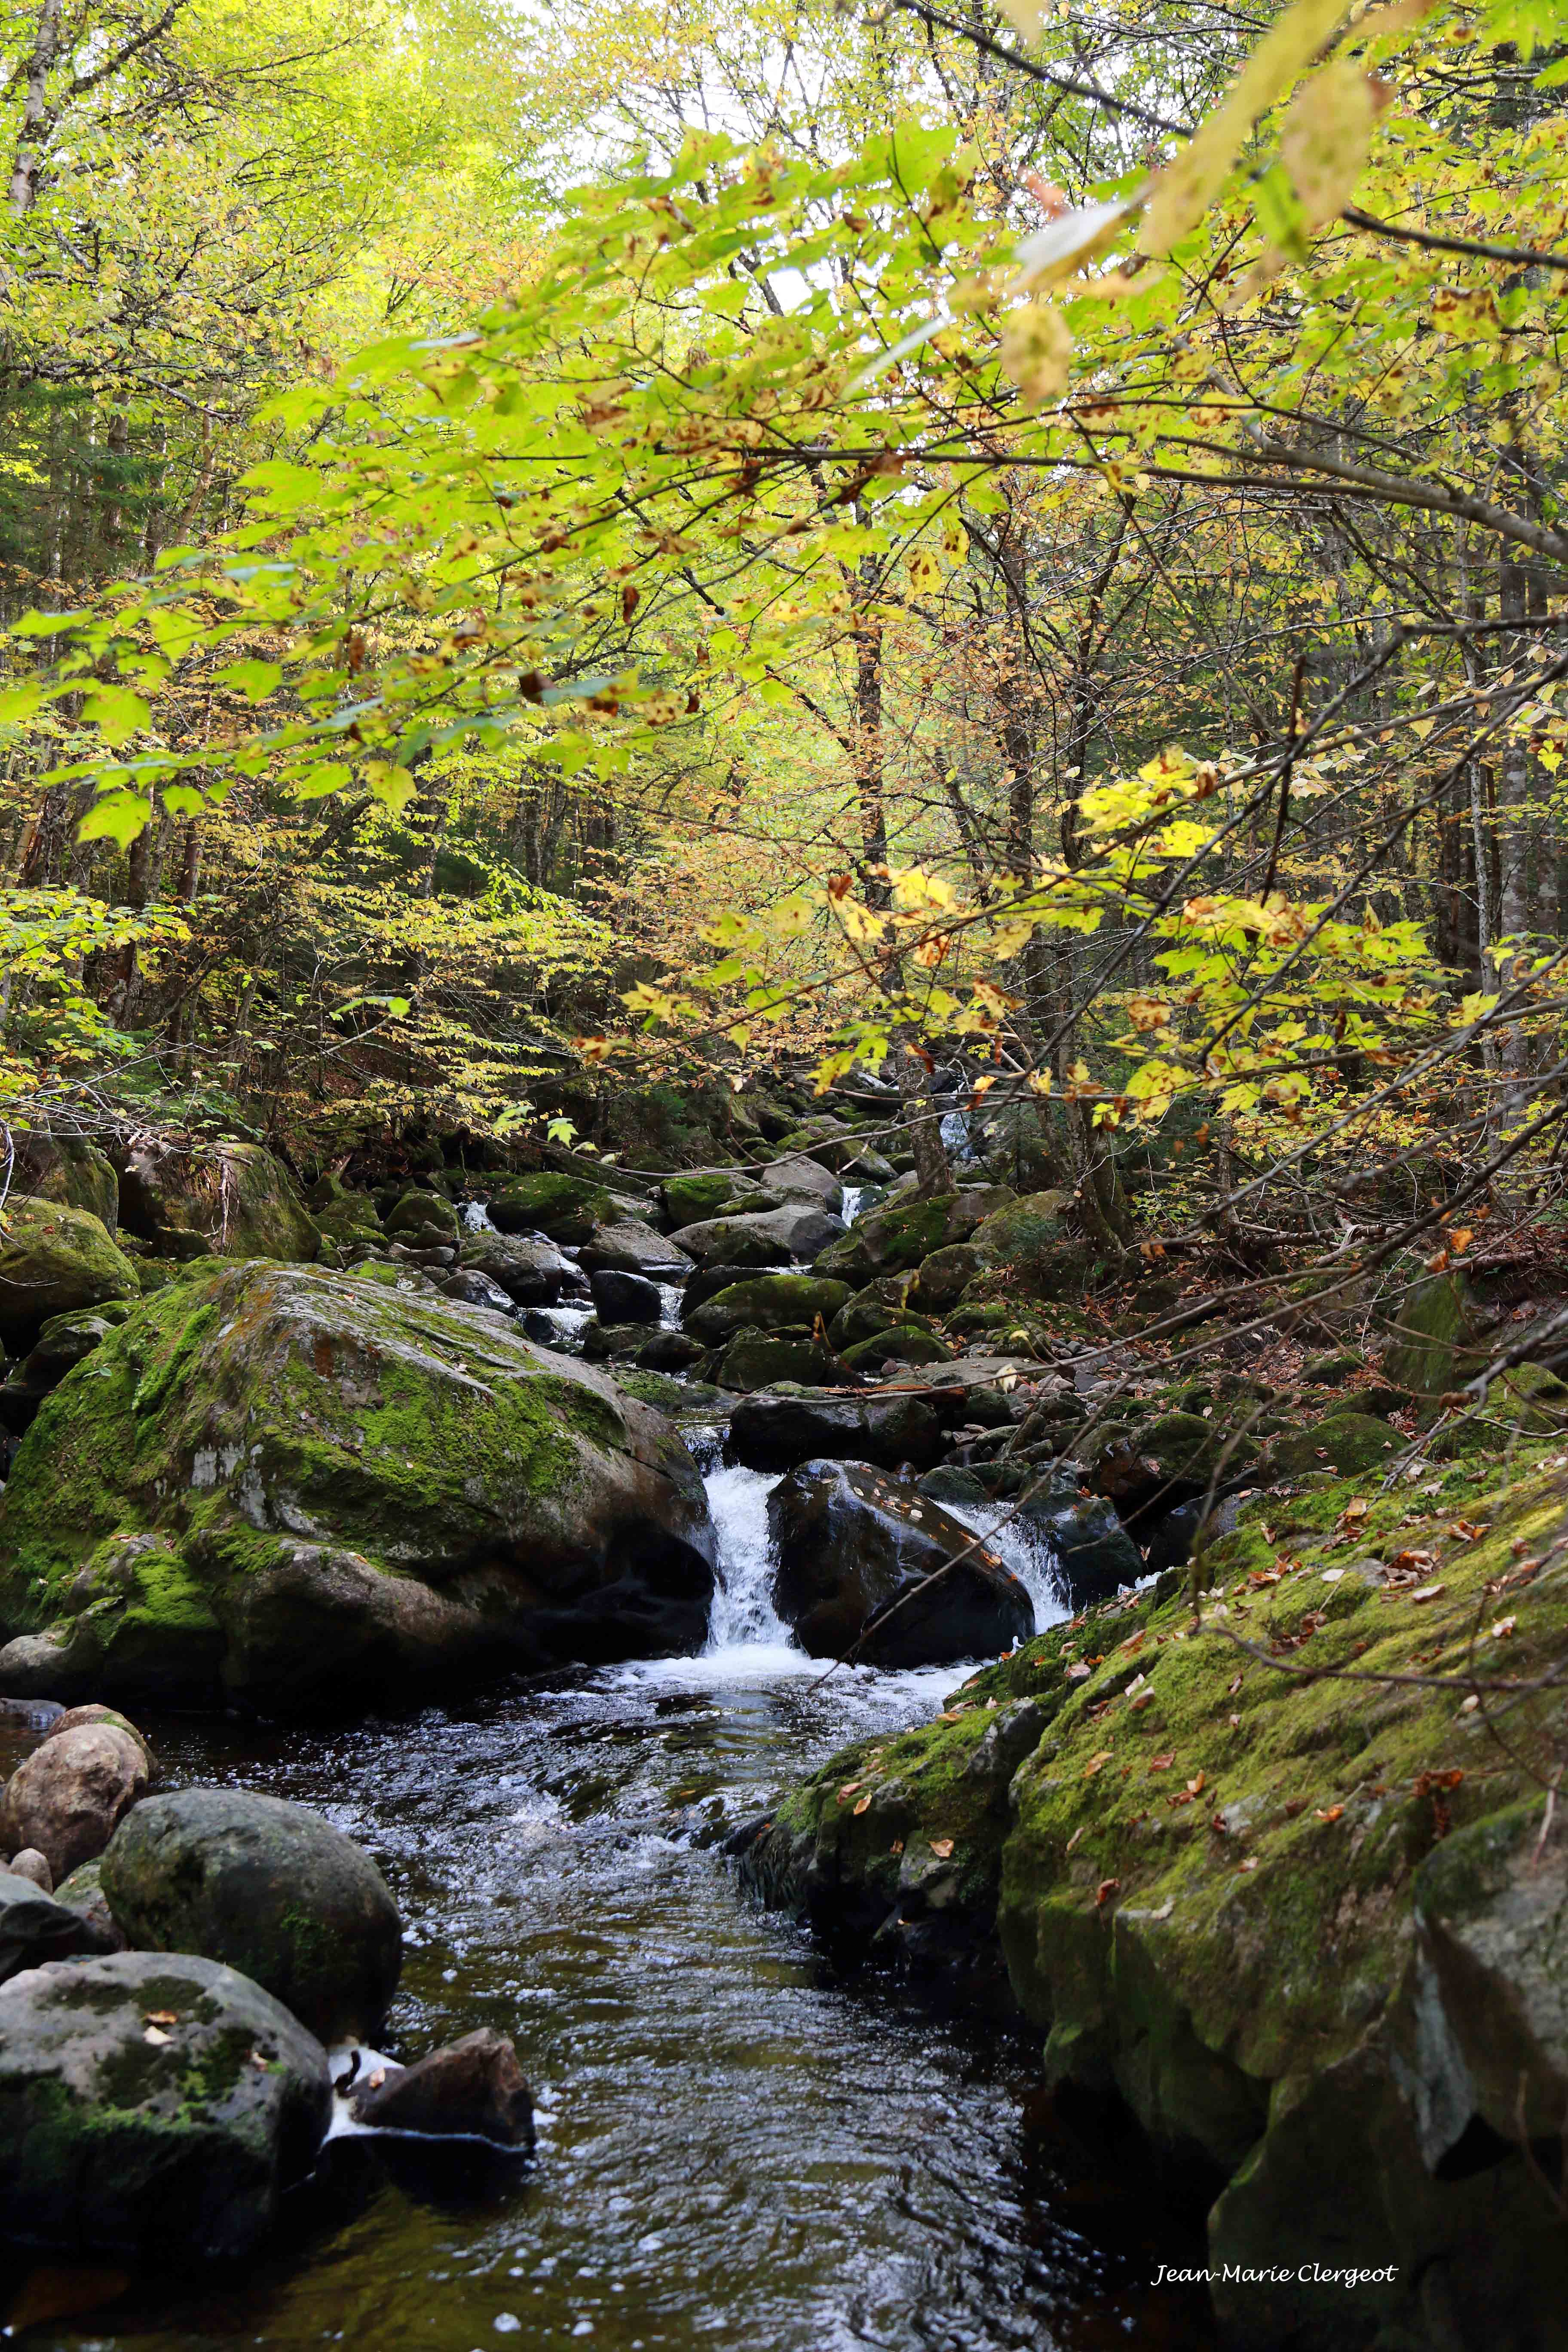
783,1207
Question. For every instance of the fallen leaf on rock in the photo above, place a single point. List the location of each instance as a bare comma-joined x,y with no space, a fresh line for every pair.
847,1790
861,1803
1503,1628
1427,1593
1250,1863
1077,1674
1076,1836
897,1846
161,2017
156,2036
1231,1689
1105,1889
1162,1763
941,1848
1143,1698
1101,1756
260,2063
1196,1788
377,2079
1331,1814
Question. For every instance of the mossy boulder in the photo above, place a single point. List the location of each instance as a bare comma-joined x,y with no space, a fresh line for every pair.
36,1927
1024,1231
792,1234
565,1208
1436,1324
152,2143
942,1279
759,1359
877,1307
270,1889
896,1237
906,1342
312,1493
54,1260
1152,1465
768,1302
422,1217
778,1429
1348,1443
532,1273
703,1193
1306,1924
68,1170
226,1200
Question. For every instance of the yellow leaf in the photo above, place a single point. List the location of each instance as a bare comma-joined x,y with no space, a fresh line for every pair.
1327,134
1037,349
1182,193
941,1848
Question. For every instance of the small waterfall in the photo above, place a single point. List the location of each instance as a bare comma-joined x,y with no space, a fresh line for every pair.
477,1218
852,1196
1027,1553
671,1296
743,1615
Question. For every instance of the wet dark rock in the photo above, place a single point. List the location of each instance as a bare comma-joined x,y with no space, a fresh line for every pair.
671,1351
1095,1555
268,1888
793,1234
906,1342
779,1429
941,1279
472,1288
301,1489
36,1927
607,1342
625,1298
154,2142
65,1798
851,1543
532,1271
1169,1460
475,2089
758,1359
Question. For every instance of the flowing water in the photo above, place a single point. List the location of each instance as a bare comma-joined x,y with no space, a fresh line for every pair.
737,2147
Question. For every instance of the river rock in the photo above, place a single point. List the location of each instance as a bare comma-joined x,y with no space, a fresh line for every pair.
83,1892
903,1231
268,1887
153,2108
34,1928
760,1360
767,1302
422,1219
850,1543
32,1865
532,1271
299,1489
630,1248
699,1193
791,1235
671,1351
1093,1552
54,1260
564,1207
794,1177
475,2089
67,1795
778,1429
625,1298
469,1288
233,1200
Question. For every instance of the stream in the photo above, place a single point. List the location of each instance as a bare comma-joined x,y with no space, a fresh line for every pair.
736,2146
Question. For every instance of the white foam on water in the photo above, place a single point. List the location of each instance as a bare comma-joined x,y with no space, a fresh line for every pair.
477,1218
671,1295
743,1614
1028,1554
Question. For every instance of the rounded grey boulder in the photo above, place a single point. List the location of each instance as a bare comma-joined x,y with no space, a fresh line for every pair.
270,1889
153,2108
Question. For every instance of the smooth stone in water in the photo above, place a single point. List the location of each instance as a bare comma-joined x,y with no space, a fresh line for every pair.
474,2090
153,2106
67,1795
625,1298
269,1888
34,1929
780,1429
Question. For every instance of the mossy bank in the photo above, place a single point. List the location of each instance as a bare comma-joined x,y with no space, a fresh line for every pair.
1307,1925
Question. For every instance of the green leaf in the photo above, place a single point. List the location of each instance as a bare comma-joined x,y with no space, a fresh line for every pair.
118,817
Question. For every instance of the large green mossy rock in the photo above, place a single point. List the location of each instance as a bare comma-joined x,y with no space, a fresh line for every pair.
705,1192
760,1360
565,1208
1435,1326
54,1260
69,1170
315,1493
770,1302
897,1237
908,1342
226,1200
1307,1926
268,1887
1346,1443
152,2143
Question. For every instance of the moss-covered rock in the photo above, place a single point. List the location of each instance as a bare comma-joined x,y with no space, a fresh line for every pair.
565,1208
226,1200
307,1490
1300,1924
792,1233
1024,1232
942,1279
877,1308
54,1260
1435,1327
69,1170
759,1359
159,2144
768,1302
908,1342
269,1888
1348,1443
899,1236
704,1193
421,1218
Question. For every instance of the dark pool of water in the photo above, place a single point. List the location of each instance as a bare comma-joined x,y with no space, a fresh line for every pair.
737,2149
